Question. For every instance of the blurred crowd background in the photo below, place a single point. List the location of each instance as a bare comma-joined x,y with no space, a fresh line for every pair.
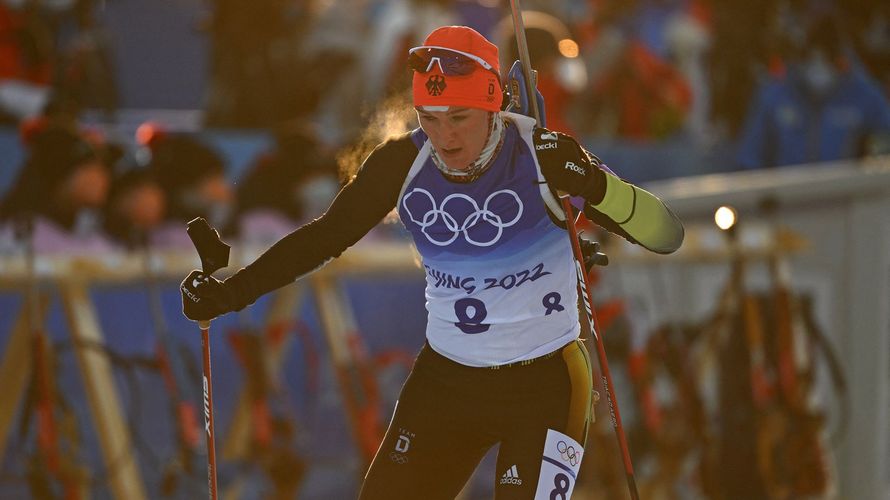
660,89
120,120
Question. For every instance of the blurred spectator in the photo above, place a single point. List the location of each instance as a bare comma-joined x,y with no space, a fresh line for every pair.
869,24
193,178
821,108
260,73
26,54
86,74
254,66
642,96
339,33
398,26
739,54
286,187
481,15
136,207
636,92
689,37
553,54
59,193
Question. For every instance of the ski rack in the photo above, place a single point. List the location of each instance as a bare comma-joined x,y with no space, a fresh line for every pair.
98,379
72,276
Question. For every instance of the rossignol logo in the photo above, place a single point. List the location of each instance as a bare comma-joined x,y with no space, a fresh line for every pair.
206,407
511,477
574,167
547,145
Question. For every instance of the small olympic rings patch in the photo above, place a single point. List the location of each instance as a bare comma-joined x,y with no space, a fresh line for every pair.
568,453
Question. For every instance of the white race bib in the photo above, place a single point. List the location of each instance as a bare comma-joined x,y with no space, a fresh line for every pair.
559,467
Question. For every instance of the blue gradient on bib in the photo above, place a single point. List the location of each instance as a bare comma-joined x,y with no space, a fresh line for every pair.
500,274
497,216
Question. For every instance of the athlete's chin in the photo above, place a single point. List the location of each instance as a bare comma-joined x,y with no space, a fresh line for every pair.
457,163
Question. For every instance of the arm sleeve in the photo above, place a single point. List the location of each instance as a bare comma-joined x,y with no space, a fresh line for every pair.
636,214
359,206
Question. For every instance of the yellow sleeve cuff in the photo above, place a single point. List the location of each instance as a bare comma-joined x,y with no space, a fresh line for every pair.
642,215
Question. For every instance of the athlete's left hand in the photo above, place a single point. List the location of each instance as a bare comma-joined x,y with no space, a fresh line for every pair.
567,166
205,297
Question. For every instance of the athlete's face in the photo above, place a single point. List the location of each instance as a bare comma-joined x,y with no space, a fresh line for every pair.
458,135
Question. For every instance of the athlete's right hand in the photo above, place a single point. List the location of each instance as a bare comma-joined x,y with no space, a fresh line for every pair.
205,297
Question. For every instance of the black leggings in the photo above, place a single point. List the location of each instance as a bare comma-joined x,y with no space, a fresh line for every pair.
449,415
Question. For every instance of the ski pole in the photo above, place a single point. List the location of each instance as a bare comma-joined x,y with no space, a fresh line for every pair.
583,282
214,255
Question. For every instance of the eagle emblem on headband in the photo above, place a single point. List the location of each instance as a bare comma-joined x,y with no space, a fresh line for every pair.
435,85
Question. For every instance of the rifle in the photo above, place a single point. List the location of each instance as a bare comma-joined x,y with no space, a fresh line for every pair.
744,387
801,444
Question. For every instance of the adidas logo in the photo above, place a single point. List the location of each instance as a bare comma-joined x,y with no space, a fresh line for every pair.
511,477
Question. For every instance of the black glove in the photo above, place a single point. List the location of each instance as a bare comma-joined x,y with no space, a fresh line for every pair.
205,297
567,166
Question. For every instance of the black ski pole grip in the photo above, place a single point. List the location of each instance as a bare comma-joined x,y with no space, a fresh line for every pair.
213,252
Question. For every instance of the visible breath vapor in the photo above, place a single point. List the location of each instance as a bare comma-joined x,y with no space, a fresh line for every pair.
392,117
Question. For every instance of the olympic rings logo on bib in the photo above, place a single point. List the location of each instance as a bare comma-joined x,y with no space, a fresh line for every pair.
567,453
475,218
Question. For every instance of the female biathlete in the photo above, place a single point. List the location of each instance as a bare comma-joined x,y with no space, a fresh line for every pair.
503,364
